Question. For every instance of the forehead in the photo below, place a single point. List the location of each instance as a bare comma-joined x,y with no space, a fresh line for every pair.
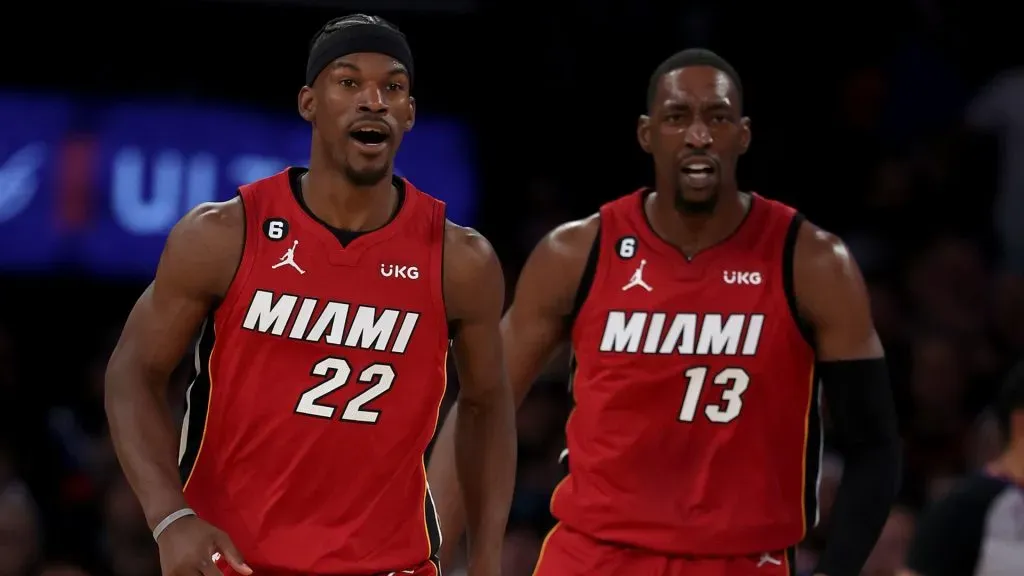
368,62
696,84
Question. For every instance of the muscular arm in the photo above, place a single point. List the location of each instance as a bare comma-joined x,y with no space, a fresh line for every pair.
832,297
195,269
485,438
531,331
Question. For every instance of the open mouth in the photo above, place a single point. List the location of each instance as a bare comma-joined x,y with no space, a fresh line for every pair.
369,136
698,169
698,172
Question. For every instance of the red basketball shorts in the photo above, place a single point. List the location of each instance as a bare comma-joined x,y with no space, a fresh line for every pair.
425,569
569,553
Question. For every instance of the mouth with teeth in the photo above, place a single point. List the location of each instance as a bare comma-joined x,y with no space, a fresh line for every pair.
369,136
698,174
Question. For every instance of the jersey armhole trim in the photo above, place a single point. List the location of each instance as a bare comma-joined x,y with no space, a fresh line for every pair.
246,262
586,279
439,286
789,280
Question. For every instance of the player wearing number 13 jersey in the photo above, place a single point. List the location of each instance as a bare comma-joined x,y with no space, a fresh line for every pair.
702,320
327,299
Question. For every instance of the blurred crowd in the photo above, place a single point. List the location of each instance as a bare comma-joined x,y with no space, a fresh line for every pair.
937,235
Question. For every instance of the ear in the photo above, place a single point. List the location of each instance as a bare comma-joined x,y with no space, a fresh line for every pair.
307,104
643,132
744,134
412,114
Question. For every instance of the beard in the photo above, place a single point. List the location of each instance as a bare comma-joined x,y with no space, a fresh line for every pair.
695,207
366,176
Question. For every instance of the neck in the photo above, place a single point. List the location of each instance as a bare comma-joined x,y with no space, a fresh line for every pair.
333,198
1011,463
692,233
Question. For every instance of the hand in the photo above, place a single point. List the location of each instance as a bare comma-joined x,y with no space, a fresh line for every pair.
188,545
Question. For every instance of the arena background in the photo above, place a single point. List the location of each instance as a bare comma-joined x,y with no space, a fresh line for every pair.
899,125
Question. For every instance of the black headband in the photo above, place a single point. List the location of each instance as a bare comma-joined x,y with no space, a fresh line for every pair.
358,38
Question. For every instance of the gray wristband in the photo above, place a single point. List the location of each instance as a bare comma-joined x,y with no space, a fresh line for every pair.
171,519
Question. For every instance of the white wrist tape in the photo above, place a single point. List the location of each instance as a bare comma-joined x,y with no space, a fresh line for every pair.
171,519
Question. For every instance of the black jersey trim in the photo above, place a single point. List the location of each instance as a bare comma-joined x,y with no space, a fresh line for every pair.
450,325
431,523
587,279
788,279
236,276
345,237
197,402
813,448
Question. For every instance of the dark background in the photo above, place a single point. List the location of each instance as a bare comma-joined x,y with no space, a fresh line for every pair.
890,123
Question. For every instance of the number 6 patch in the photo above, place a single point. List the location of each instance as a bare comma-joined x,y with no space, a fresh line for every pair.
275,229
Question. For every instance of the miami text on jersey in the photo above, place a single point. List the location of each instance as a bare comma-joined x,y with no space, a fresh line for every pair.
682,333
337,323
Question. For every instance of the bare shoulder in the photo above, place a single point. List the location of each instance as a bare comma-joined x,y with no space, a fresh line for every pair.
551,277
571,242
822,253
474,283
204,248
465,248
828,283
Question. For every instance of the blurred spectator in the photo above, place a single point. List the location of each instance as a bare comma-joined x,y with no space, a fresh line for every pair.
20,542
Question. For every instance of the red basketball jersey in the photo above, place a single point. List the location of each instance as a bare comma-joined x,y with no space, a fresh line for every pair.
695,429
320,377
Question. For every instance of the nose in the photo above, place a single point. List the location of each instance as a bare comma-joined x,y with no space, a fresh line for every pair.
372,101
698,136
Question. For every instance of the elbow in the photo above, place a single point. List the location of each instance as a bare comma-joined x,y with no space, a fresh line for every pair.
114,384
123,379
496,401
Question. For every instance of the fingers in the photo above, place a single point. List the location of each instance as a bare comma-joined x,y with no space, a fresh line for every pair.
207,566
231,555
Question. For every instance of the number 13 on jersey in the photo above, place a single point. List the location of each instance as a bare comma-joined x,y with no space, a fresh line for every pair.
734,382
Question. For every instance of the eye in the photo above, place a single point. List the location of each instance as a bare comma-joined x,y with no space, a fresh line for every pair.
347,82
395,87
720,118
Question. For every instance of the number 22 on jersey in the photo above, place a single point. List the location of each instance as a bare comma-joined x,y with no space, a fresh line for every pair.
734,382
382,376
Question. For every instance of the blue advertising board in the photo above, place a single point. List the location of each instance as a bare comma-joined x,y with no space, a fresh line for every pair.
97,187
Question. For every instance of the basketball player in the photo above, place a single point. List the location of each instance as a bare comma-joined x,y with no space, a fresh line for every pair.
702,320
327,298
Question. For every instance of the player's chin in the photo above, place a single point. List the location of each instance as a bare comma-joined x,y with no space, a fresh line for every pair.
696,200
367,174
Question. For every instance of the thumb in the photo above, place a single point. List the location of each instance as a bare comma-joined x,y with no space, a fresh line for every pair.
231,555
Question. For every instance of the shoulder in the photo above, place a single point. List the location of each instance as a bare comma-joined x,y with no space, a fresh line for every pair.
466,250
821,252
825,274
216,226
975,492
206,244
473,278
553,273
568,244
950,531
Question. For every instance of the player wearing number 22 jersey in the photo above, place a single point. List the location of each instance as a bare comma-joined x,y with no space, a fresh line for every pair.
319,380
326,301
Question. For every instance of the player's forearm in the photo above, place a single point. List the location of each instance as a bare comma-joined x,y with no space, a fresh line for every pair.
485,453
144,440
865,428
861,508
444,487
